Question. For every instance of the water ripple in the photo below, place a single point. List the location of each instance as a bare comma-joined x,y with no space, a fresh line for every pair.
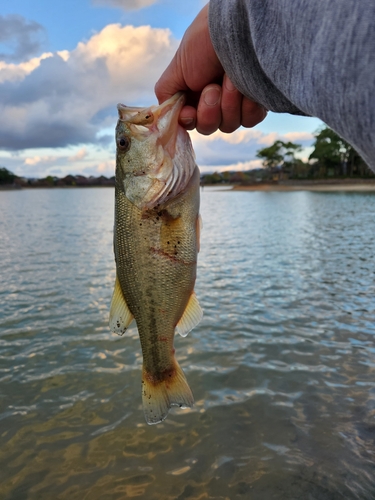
282,365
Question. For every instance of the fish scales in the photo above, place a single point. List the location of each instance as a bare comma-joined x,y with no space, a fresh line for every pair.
156,241
156,272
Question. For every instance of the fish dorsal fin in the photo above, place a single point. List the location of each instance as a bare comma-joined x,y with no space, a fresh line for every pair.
191,317
120,316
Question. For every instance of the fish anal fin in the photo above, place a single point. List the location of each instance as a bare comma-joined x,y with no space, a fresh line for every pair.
191,317
158,396
120,316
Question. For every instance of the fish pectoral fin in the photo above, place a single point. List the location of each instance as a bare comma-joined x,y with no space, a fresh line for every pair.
120,316
191,317
159,396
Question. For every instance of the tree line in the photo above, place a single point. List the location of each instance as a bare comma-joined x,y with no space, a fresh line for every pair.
8,178
332,157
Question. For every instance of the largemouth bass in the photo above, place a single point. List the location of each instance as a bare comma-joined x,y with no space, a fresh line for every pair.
156,242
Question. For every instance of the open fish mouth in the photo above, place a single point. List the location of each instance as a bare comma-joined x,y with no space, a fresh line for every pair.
168,160
163,118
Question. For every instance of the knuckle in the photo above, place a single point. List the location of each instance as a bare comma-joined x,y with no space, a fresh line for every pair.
228,128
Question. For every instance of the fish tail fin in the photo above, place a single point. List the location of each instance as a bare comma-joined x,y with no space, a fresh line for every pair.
159,395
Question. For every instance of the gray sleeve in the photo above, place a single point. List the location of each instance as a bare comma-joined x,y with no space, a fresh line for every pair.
307,57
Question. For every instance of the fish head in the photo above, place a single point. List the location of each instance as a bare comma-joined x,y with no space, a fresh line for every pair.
154,157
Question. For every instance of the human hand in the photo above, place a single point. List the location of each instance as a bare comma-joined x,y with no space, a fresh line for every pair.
212,100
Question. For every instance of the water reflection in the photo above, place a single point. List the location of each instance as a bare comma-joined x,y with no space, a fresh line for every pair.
282,365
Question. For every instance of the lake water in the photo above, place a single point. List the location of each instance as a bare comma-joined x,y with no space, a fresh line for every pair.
282,366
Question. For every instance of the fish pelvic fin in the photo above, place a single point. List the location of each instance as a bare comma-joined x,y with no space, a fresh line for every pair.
158,396
120,316
191,317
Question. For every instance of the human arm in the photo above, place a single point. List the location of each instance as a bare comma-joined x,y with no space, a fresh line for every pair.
304,57
213,101
301,57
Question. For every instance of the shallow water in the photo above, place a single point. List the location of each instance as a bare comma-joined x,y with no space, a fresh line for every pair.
282,366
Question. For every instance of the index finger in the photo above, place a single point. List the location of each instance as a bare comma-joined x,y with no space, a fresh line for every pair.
170,82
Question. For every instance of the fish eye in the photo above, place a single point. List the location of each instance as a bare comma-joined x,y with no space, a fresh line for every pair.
123,143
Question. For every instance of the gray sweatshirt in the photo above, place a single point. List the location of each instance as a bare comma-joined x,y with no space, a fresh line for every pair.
306,57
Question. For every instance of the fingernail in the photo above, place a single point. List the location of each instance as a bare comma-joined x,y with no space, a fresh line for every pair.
211,96
187,121
229,85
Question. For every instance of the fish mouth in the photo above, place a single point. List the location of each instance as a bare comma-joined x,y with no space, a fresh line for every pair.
165,148
147,116
161,119
168,112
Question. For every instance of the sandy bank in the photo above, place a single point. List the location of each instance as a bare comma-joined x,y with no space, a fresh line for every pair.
353,186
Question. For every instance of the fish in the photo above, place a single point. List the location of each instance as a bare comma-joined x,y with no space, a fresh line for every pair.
156,244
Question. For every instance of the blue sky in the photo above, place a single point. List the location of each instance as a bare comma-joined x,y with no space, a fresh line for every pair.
64,65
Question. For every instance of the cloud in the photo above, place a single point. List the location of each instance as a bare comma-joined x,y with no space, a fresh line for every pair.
35,160
218,152
10,72
228,151
124,4
58,110
106,168
80,155
299,137
63,98
241,166
22,38
60,162
241,135
221,149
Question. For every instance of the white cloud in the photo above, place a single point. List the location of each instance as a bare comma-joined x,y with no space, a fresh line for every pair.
125,4
35,160
232,151
80,155
63,98
299,136
12,72
270,138
62,161
58,111
240,136
64,54
106,168
241,166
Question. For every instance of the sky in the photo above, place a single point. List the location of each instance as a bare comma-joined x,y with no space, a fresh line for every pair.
64,66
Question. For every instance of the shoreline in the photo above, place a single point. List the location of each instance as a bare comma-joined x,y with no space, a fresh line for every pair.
10,187
334,185
353,185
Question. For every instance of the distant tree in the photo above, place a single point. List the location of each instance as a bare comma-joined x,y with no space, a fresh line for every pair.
332,152
50,180
225,176
47,181
271,157
214,178
356,165
6,176
280,154
240,177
